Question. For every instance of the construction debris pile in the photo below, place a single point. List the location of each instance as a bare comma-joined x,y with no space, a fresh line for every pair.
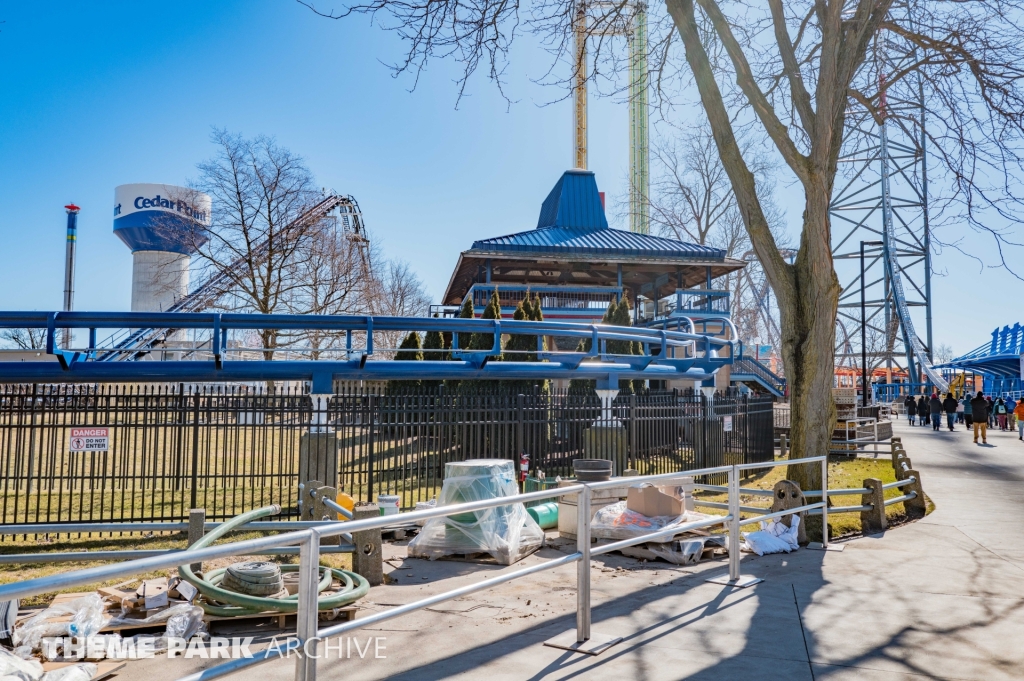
66,640
626,512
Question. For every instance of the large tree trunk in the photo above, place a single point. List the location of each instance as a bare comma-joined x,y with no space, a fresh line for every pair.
808,347
808,315
807,291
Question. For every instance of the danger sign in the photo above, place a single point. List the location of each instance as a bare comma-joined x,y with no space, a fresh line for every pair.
90,439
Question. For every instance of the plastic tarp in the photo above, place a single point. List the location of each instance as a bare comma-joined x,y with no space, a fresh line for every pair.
615,521
773,537
88,616
506,533
14,667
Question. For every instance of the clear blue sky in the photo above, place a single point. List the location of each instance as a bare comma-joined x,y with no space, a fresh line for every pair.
96,95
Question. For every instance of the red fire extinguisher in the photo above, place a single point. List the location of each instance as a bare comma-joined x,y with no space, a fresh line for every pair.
524,466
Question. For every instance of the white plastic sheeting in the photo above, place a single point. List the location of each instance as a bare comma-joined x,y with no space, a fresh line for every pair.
615,521
506,533
773,537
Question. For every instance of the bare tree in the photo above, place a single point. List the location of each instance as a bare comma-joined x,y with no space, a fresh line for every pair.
396,292
260,247
943,354
24,339
693,200
822,47
793,71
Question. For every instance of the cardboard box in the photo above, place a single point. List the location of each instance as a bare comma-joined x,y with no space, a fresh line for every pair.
650,501
182,589
154,592
127,599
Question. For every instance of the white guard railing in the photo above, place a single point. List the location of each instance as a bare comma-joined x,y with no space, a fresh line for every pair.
308,635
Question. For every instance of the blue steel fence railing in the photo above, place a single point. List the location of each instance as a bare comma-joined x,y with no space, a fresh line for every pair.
216,352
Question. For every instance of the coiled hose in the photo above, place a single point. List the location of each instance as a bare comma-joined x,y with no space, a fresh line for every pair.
353,586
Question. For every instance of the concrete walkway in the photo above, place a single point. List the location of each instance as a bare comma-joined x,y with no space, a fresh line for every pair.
937,599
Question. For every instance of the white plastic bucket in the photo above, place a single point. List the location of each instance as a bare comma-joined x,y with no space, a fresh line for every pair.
388,503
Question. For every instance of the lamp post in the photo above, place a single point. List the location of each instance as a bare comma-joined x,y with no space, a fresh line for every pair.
863,326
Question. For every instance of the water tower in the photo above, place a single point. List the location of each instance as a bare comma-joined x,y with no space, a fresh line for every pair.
163,225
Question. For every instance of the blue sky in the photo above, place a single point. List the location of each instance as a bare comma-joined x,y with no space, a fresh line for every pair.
96,95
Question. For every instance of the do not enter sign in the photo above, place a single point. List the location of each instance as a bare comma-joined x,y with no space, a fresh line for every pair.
90,439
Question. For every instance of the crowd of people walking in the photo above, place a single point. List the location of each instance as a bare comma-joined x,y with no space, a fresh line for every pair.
978,413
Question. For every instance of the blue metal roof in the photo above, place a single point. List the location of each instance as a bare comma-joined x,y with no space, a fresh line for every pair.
574,202
998,357
596,242
572,222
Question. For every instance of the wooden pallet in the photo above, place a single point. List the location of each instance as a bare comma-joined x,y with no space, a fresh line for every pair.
281,620
344,614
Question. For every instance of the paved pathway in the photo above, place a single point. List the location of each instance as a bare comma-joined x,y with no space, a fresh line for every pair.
937,599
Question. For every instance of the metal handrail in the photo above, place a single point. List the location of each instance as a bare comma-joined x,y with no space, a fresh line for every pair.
309,541
897,500
753,491
900,483
100,526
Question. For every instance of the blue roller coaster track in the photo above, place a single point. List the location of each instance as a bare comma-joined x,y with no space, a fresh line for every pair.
216,352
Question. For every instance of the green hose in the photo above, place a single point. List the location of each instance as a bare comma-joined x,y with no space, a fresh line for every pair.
353,588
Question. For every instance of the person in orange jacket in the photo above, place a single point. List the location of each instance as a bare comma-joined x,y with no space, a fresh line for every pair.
1019,413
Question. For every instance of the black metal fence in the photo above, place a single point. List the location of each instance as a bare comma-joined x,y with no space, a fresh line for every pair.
232,449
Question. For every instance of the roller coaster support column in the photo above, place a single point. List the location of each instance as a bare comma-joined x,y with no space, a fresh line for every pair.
318,448
606,438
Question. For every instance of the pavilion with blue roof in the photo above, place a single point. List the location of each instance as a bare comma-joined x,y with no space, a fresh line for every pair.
577,264
999,361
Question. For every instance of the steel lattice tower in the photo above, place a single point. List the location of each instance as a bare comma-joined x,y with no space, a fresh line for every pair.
881,197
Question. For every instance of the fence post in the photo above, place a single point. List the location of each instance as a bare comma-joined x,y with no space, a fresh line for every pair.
367,558
782,445
824,507
873,521
520,438
195,451
196,531
734,524
632,455
916,507
746,428
180,418
371,403
307,614
32,442
583,567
